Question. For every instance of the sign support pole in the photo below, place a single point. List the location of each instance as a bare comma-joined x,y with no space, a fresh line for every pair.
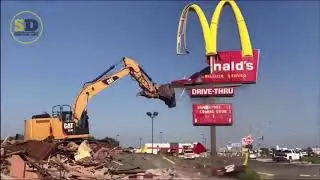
213,133
213,145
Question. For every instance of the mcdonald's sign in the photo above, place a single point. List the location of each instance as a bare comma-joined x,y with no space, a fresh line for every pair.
226,67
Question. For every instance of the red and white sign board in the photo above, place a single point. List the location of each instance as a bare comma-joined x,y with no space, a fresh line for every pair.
212,92
247,140
231,67
212,115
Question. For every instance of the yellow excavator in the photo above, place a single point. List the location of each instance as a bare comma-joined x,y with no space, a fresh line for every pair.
72,123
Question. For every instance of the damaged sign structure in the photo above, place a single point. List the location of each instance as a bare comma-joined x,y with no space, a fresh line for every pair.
225,68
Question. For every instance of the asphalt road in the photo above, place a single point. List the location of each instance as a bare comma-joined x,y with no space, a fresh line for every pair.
286,171
274,171
159,164
144,161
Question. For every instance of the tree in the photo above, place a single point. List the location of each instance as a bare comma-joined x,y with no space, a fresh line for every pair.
111,141
309,151
265,151
91,138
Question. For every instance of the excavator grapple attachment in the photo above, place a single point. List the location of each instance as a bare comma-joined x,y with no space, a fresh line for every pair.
165,93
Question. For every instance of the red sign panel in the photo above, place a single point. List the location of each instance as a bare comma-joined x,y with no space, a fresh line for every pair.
212,115
214,92
247,140
231,67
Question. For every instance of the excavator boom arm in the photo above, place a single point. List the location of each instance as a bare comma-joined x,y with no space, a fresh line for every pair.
149,88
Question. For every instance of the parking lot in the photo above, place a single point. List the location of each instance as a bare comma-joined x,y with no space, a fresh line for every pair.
273,170
286,170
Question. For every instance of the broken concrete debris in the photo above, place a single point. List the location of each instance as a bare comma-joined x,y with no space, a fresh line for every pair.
67,160
88,159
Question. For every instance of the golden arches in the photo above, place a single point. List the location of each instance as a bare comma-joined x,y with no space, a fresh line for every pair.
210,32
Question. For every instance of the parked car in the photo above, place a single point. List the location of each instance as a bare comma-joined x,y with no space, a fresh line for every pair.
278,155
129,150
303,153
189,154
252,155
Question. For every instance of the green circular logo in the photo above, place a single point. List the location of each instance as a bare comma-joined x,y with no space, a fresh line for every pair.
26,27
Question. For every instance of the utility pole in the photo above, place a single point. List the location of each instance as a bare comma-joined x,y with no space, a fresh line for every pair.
161,136
152,116
140,142
117,139
318,143
204,140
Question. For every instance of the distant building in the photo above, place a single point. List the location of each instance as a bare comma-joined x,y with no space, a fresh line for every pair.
316,150
165,147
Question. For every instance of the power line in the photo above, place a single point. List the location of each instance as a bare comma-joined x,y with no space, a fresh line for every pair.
318,114
318,144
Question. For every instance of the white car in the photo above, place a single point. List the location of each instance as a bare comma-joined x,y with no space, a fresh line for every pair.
252,155
188,154
303,153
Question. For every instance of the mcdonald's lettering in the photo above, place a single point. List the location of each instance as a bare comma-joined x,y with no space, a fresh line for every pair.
210,32
231,67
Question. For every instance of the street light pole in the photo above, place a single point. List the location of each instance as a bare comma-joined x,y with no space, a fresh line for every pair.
161,136
152,116
202,138
117,139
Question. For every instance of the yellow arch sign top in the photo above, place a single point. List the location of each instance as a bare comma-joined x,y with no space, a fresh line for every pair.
210,32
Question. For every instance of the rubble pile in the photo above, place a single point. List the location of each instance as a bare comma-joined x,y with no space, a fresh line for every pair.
94,159
4,166
64,160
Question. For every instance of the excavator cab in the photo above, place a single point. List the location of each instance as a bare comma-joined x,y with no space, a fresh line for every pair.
69,126
63,112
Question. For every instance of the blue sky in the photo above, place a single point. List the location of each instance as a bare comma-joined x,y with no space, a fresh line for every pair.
82,39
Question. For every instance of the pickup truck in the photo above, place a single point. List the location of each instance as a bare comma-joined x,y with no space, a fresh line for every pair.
286,155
